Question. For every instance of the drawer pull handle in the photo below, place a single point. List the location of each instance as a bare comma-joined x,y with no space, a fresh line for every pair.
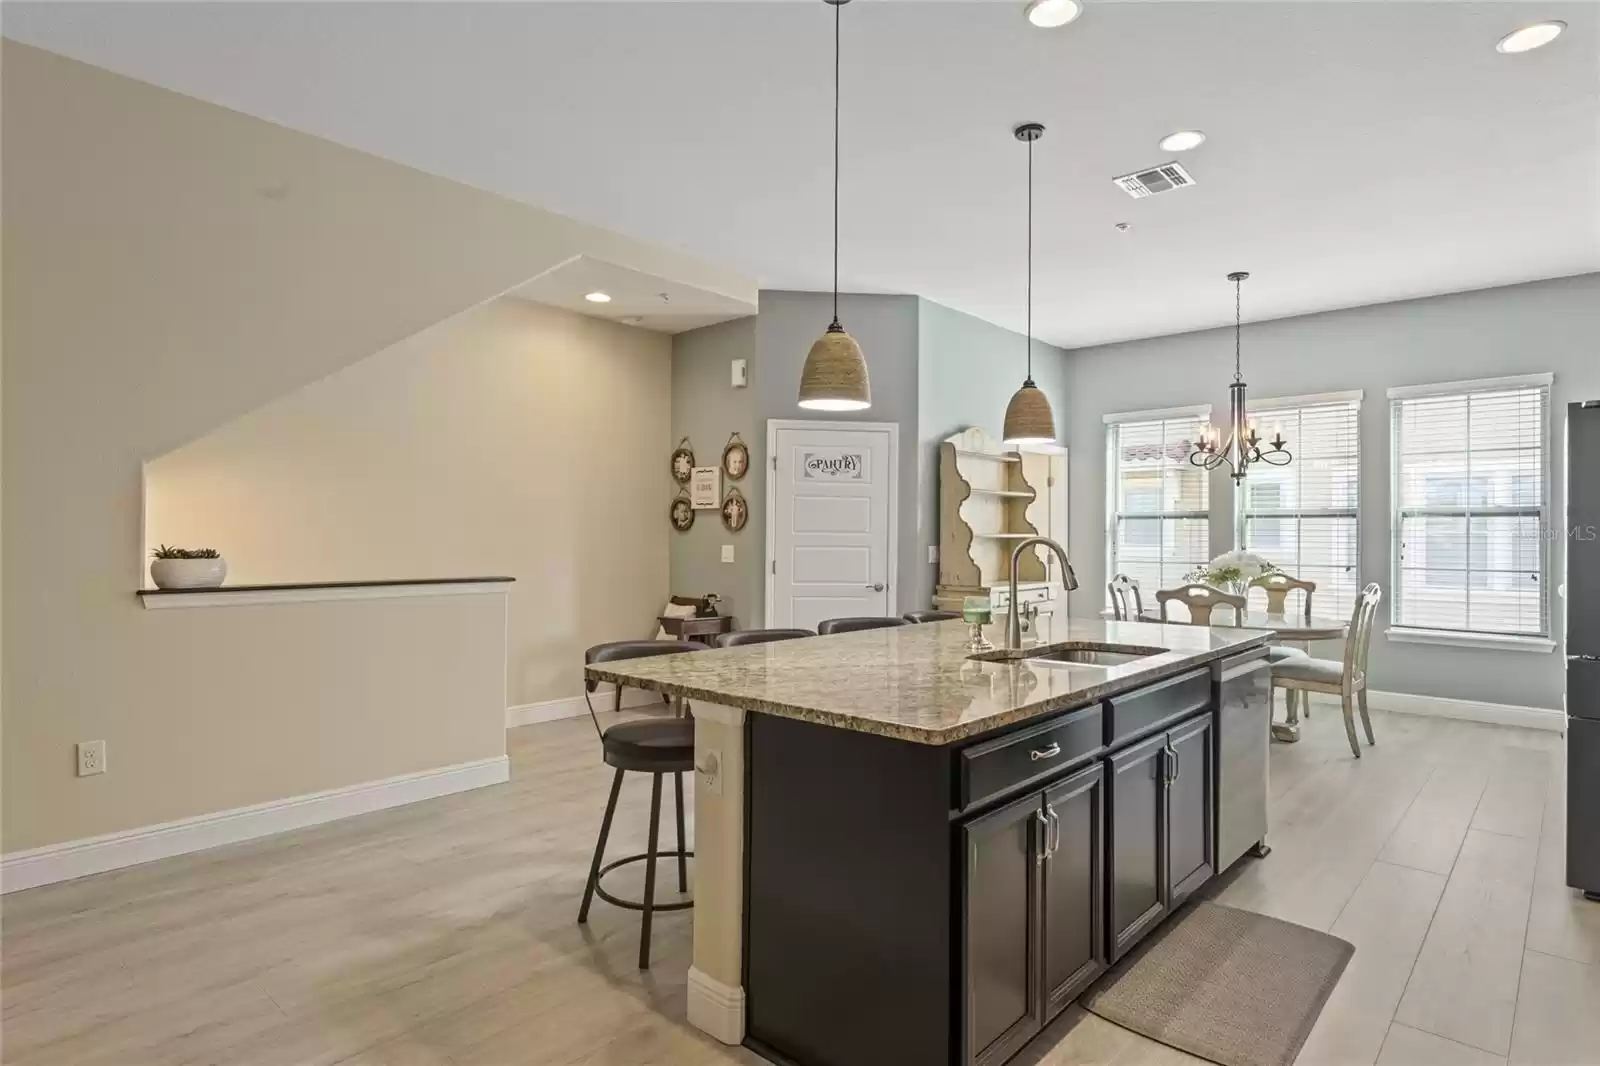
1045,753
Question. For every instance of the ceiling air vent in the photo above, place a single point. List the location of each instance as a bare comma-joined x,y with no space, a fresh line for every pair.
1165,178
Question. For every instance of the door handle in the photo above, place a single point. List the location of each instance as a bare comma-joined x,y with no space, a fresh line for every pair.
1043,823
1055,829
877,587
1045,753
1177,766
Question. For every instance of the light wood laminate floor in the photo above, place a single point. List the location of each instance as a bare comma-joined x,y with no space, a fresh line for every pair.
444,933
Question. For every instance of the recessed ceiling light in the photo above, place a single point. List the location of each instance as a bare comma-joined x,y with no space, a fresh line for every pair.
597,298
1530,37
1052,13
1182,141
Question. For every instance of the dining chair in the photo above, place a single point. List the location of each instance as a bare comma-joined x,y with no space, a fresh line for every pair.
1278,587
1346,679
1127,604
1201,601
919,617
740,637
851,625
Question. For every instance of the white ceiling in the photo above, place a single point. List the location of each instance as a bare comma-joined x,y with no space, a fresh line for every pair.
1358,152
637,299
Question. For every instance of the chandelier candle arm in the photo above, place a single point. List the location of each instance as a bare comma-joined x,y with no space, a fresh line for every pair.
1243,444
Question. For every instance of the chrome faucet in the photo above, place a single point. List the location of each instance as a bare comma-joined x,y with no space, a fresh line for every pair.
1013,608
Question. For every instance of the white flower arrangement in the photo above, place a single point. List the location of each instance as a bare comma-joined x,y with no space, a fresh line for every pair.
1232,571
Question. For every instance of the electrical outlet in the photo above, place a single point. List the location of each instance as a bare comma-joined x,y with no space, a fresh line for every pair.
727,553
709,772
91,758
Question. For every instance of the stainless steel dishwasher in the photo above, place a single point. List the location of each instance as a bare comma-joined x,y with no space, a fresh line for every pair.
1244,720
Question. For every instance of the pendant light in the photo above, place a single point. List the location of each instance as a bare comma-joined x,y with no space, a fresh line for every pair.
1029,419
1243,445
835,374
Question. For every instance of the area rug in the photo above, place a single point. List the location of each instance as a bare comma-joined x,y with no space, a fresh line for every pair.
1237,988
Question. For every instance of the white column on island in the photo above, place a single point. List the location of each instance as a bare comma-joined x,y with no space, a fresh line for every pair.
716,991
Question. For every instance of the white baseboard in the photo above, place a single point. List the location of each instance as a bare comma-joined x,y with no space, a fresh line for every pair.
716,1008
574,707
1470,710
79,858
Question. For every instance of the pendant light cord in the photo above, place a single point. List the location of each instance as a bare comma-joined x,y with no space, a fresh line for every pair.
1030,264
837,9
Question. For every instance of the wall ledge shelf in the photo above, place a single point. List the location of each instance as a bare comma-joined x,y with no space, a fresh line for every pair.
315,591
1007,493
993,457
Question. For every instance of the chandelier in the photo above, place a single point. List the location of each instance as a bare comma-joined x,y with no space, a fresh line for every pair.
1244,444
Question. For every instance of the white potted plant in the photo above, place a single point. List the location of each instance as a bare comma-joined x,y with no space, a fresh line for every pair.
187,568
1232,571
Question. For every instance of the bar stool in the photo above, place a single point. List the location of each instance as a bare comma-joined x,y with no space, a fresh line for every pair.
760,636
919,617
851,625
652,746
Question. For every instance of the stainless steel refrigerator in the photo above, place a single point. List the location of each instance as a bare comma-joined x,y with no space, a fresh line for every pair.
1582,599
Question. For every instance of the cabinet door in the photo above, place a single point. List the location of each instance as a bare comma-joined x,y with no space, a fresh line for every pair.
1074,908
1191,842
1138,842
1004,856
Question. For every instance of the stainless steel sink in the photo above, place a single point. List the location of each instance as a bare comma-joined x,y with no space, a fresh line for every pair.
1079,654
1088,656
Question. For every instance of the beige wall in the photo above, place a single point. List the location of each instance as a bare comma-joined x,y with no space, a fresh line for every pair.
169,265
515,439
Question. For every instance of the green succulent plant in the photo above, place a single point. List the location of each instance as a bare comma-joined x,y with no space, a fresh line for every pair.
169,552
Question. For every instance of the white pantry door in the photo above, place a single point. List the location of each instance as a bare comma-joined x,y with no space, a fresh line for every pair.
831,523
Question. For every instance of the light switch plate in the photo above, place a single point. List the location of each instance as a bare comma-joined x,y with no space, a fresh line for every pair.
727,553
933,553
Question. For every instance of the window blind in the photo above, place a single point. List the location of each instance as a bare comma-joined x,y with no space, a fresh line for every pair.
1158,504
1471,504
1304,516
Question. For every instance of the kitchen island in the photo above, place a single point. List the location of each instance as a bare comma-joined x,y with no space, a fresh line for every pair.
910,853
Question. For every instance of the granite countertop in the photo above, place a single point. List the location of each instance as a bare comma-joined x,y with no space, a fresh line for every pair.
918,682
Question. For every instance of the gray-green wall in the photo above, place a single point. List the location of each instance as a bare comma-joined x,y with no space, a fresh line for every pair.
706,408
967,372
934,371
1545,326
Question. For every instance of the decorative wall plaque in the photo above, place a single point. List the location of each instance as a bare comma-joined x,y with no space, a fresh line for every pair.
682,462
735,458
705,488
735,512
682,512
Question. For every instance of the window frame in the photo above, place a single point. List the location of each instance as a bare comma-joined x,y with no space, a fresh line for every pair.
1542,641
1263,410
1201,413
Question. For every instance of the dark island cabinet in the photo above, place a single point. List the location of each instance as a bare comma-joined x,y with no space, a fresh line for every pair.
1033,925
1162,838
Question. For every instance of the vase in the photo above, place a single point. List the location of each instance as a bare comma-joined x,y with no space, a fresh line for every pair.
188,573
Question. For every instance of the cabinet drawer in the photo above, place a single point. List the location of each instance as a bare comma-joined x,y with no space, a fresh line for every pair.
1037,594
998,766
1147,708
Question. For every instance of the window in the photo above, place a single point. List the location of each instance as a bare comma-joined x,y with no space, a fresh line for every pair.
1303,516
1158,505
1471,504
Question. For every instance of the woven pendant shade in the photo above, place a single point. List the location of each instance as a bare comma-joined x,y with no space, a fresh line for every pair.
1029,419
835,376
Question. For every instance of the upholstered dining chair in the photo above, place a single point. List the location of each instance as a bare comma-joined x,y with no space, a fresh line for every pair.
851,625
1127,604
1346,679
1201,601
740,637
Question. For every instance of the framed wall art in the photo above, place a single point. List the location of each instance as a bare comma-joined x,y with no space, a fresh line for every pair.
735,458
683,462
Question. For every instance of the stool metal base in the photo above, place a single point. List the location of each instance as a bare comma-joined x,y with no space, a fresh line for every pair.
633,905
648,906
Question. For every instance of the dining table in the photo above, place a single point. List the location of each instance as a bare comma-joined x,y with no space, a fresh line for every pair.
1291,628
